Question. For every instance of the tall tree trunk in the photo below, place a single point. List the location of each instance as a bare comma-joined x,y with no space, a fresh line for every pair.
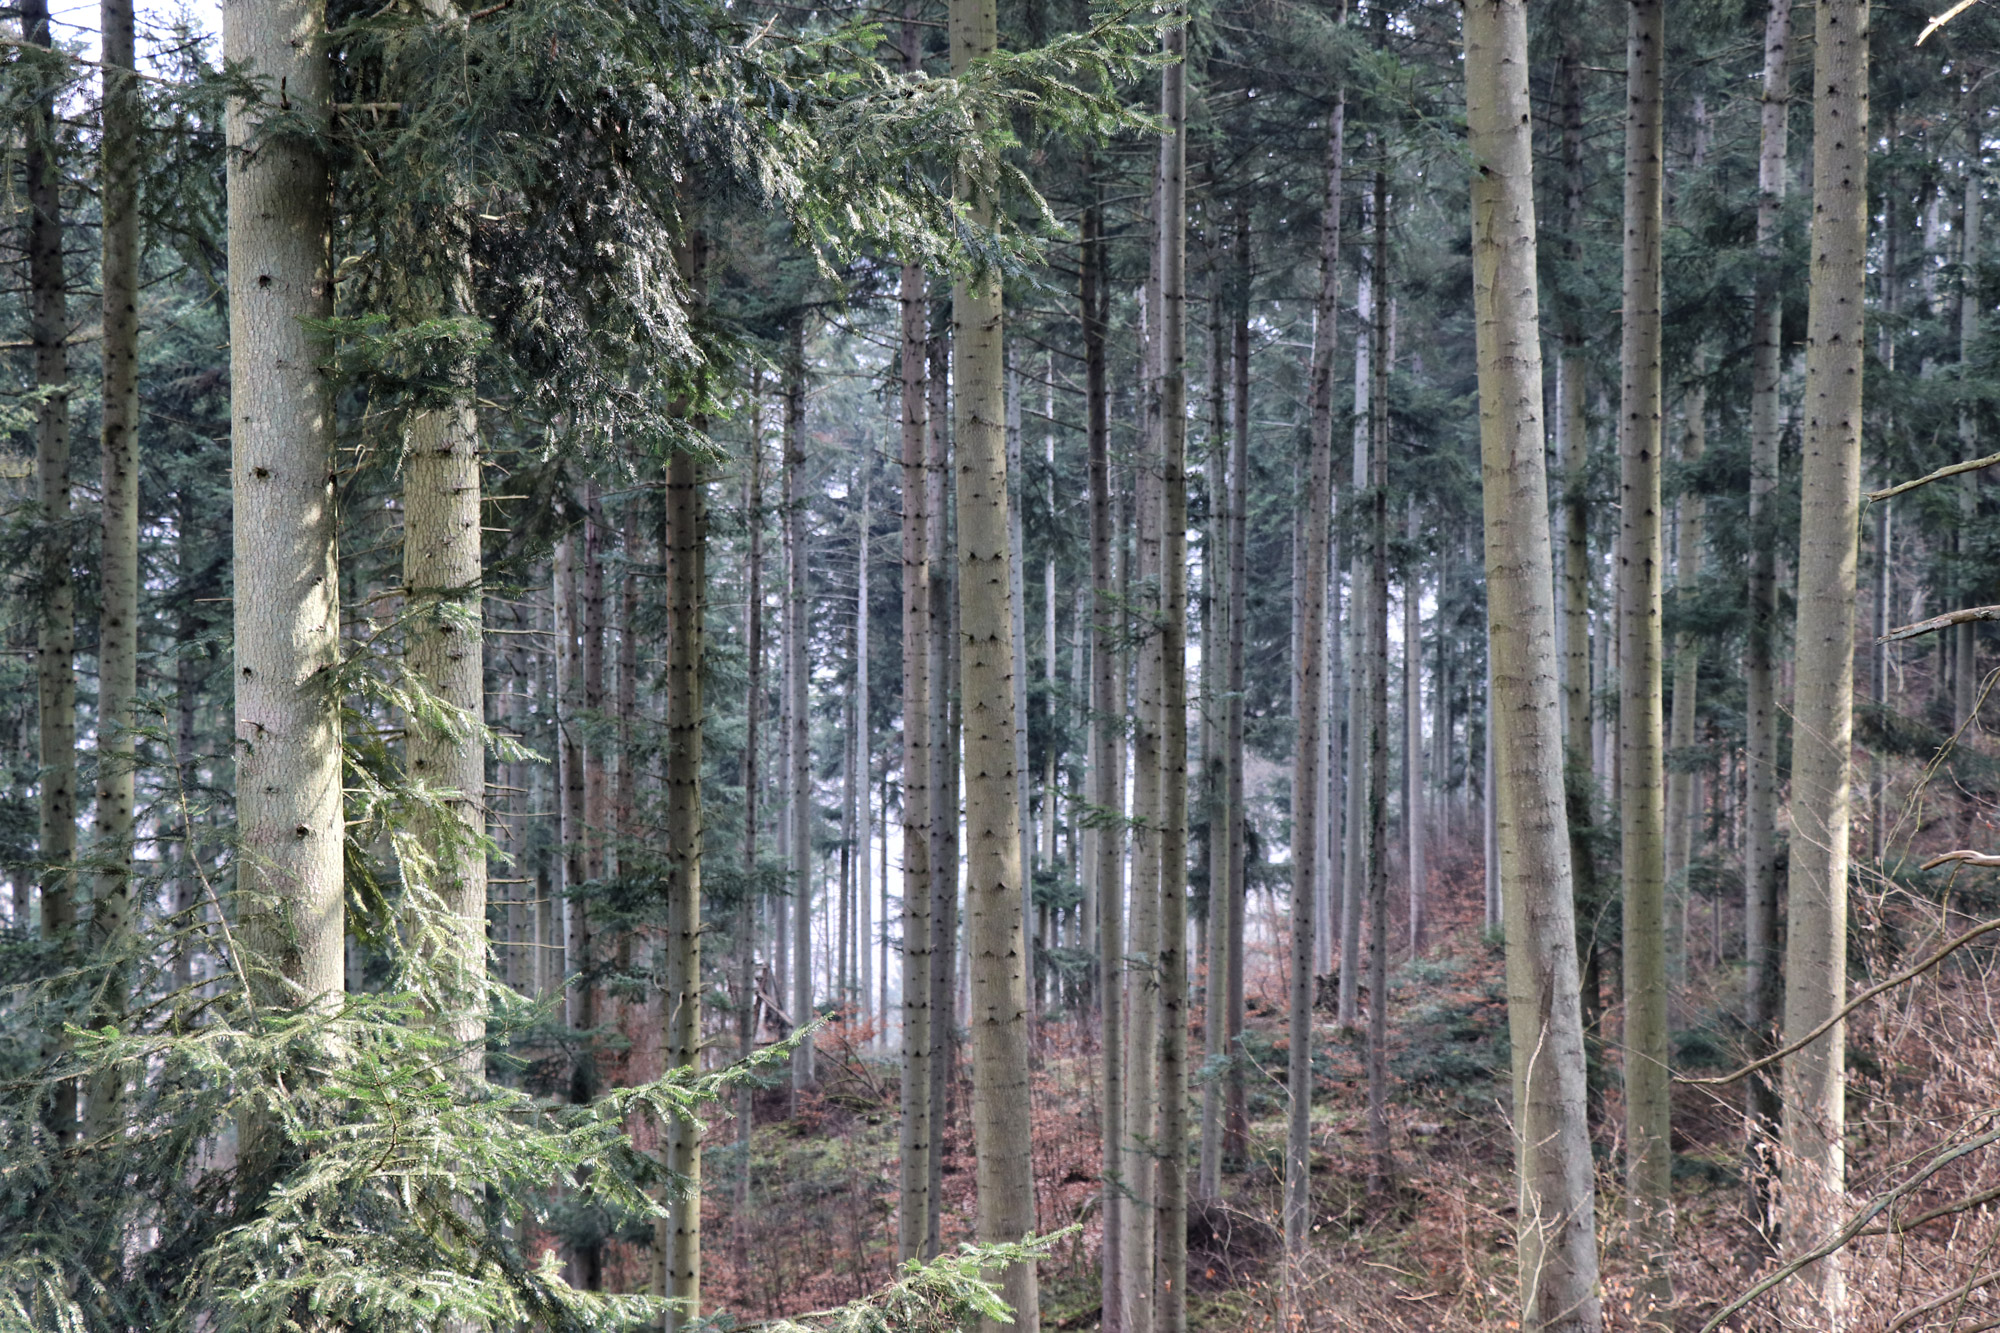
55,621
1556,1216
1762,984
913,1144
1215,744
1413,740
753,720
1377,624
1965,654
799,778
596,780
1142,976
943,776
287,611
1648,1158
118,620
1107,751
1573,446
685,550
1354,848
864,829
1017,595
1814,1126
1001,1121
1308,687
1236,1136
1683,782
1170,1264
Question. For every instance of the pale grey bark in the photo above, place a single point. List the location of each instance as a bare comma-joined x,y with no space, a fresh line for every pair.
287,612
1556,1210
1813,1152
864,822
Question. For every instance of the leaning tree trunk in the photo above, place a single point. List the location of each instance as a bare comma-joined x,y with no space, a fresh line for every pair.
1556,1215
1170,1232
287,610
1641,740
1107,754
799,779
913,1145
1814,1125
1001,1122
118,618
55,620
1308,688
1762,985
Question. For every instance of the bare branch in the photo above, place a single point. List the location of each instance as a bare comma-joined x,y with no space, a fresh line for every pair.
1907,974
1853,1228
1943,472
1945,621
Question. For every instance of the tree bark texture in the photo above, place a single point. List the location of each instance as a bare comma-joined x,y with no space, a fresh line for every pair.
1641,729
1556,1215
1814,1120
1002,1124
1762,983
287,610
799,717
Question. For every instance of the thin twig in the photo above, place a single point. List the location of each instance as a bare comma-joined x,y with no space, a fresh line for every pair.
1852,1229
1906,974
1944,18
1945,621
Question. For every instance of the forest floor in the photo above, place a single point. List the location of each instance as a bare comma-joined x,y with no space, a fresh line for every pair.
1435,1250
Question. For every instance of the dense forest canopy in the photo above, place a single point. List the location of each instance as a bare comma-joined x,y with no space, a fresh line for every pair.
1132,667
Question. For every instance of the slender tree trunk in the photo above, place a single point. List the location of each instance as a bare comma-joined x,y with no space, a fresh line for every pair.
753,721
1377,623
1002,1125
1354,851
1648,1160
1762,983
799,778
287,612
1413,742
596,781
913,1204
864,830
1236,1136
1107,743
1573,442
1965,680
1555,1215
55,621
1814,1125
1017,593
685,551
943,779
1142,973
1683,782
118,619
1308,687
1170,1264
1215,744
